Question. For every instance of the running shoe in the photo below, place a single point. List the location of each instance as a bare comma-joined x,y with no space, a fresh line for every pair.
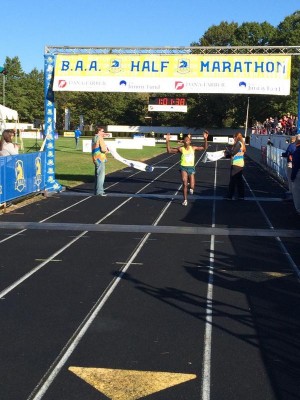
191,191
184,203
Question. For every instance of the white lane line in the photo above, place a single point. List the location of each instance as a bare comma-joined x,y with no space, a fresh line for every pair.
54,255
75,204
284,250
206,369
43,220
71,345
38,267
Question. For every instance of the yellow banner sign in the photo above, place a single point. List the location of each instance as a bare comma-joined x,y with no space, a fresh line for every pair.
161,73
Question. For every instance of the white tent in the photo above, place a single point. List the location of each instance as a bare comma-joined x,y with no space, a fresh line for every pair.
7,114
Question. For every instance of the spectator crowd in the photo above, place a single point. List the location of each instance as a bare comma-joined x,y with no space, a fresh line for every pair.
286,125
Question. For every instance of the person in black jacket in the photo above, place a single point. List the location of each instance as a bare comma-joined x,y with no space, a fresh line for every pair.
295,177
288,154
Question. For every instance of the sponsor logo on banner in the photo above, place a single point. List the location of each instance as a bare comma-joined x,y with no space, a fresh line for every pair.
20,182
50,170
38,172
179,85
50,145
62,83
183,66
115,66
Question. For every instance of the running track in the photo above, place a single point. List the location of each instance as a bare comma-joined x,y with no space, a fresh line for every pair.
134,296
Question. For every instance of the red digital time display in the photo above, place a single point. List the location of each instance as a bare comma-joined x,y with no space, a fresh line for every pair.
168,101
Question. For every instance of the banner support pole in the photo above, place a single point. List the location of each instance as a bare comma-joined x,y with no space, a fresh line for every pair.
49,108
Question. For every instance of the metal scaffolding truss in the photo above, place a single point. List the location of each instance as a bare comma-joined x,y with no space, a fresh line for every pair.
284,50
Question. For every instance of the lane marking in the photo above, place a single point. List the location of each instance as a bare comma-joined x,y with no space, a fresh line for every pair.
40,223
118,384
43,220
206,368
124,262
60,361
284,250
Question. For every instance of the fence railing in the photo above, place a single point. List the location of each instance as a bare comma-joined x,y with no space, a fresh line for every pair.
273,160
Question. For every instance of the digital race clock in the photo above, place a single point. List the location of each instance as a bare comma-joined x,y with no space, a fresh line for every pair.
175,104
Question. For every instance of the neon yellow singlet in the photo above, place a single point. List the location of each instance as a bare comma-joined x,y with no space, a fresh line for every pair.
187,157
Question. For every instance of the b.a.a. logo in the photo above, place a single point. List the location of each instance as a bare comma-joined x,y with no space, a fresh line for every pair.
115,65
183,66
38,172
20,182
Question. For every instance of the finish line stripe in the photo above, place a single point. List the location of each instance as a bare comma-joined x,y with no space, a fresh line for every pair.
179,230
168,196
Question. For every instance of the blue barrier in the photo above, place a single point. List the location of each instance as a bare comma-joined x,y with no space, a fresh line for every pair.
21,175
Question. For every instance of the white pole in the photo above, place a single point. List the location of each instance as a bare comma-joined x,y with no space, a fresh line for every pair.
3,75
246,122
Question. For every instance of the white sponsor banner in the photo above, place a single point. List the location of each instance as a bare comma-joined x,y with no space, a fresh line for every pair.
145,141
172,137
118,143
166,108
128,144
220,139
169,85
31,135
87,146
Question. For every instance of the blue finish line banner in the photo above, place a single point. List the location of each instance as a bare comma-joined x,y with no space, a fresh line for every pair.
21,175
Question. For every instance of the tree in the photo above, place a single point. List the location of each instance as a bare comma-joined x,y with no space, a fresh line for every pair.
230,109
14,95
254,34
219,35
288,31
288,34
33,84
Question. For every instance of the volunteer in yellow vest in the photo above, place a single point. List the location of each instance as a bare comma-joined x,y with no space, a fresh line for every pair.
187,162
236,153
99,151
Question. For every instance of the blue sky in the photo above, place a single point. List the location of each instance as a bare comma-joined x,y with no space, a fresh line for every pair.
27,27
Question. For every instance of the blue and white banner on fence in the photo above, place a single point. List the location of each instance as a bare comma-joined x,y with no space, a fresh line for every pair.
21,175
